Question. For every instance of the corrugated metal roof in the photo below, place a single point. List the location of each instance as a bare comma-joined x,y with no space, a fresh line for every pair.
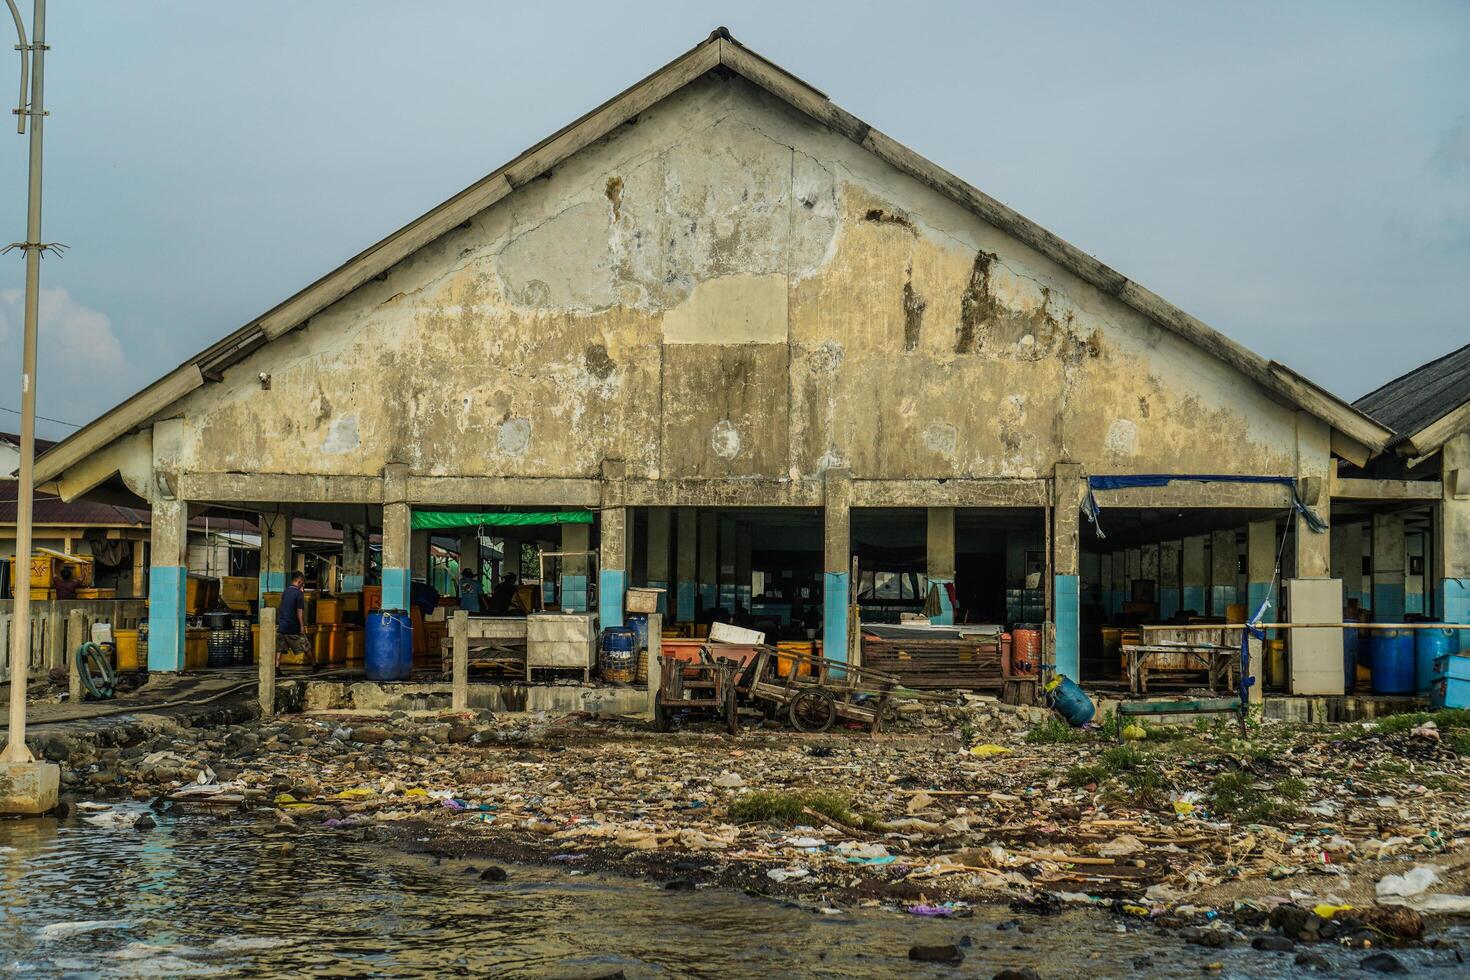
1425,395
49,509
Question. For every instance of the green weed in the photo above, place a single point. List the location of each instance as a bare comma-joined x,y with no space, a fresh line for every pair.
790,807
1053,731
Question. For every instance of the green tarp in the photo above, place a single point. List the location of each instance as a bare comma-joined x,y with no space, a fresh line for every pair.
439,519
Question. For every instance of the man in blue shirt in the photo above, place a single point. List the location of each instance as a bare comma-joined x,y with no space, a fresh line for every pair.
471,592
291,622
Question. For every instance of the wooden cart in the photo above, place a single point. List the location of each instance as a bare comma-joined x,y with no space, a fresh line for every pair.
813,692
708,683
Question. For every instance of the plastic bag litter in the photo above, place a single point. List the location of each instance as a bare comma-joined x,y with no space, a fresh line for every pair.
1409,883
920,801
854,851
787,874
1120,846
1443,904
807,843
1134,733
989,749
729,780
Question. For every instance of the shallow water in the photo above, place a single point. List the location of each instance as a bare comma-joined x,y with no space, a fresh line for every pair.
199,897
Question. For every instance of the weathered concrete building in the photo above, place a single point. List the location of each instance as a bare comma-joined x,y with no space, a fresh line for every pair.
735,320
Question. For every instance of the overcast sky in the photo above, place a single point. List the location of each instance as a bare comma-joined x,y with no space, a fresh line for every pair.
1297,176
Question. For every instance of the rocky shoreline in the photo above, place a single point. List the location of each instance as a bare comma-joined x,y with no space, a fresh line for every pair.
1278,841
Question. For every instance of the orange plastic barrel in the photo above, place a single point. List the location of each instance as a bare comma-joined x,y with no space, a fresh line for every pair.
1025,651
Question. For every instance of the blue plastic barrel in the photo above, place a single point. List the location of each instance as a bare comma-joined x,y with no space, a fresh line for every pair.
1429,646
388,643
1349,658
1071,702
638,622
619,653
1392,660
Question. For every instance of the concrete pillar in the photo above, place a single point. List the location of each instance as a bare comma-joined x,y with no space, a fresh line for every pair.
728,535
167,583
1224,570
1314,469
709,565
1452,539
275,552
419,561
397,560
659,519
1067,492
1105,583
612,571
687,565
469,550
265,661
355,538
459,636
1413,584
575,571
397,537
654,652
941,560
1350,567
1194,574
1134,557
140,568
1388,568
742,565
74,639
836,562
1120,581
1169,592
1260,562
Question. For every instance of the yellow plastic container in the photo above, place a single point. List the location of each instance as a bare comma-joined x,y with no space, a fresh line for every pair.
793,650
196,649
126,642
336,643
329,611
321,643
354,645
1276,663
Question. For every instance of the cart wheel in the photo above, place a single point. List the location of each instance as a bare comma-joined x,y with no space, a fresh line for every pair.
663,718
890,715
812,712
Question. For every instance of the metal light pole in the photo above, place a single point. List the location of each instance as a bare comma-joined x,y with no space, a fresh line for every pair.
32,59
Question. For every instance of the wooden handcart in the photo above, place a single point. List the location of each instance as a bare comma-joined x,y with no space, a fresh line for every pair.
708,684
813,692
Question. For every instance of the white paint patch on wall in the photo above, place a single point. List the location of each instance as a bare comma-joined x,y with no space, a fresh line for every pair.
514,437
942,437
342,436
725,439
1122,438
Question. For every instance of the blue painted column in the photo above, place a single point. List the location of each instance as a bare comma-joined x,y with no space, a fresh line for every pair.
397,562
686,564
1224,571
1388,568
941,563
1169,569
1066,613
836,562
167,584
1068,487
612,573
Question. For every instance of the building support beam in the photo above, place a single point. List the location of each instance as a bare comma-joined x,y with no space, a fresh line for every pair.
836,562
659,521
743,566
1388,568
1195,575
612,565
1169,588
397,537
728,534
167,584
1068,492
1224,571
1452,542
940,540
686,590
575,572
709,562
355,548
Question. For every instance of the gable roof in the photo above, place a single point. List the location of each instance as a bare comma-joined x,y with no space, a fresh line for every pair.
718,50
1411,405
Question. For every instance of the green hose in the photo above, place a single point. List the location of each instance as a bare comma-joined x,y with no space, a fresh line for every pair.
101,688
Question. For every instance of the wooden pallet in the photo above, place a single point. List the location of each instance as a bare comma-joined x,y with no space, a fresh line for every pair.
934,664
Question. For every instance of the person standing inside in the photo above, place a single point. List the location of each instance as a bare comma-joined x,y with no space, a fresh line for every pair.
291,622
471,592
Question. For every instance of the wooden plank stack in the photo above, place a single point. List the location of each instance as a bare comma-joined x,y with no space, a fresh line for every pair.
970,663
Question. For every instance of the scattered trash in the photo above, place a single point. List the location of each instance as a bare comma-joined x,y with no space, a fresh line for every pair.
1411,882
787,874
987,750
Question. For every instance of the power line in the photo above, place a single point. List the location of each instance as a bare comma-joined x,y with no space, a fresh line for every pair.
74,425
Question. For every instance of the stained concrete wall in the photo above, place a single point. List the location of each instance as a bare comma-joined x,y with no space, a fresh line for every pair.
727,289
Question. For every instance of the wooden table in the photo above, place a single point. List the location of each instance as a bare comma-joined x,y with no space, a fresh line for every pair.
1219,663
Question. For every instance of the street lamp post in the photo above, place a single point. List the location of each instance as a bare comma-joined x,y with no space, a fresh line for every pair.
27,786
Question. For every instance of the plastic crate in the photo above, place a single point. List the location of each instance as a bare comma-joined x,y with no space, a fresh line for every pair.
1454,666
1450,693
